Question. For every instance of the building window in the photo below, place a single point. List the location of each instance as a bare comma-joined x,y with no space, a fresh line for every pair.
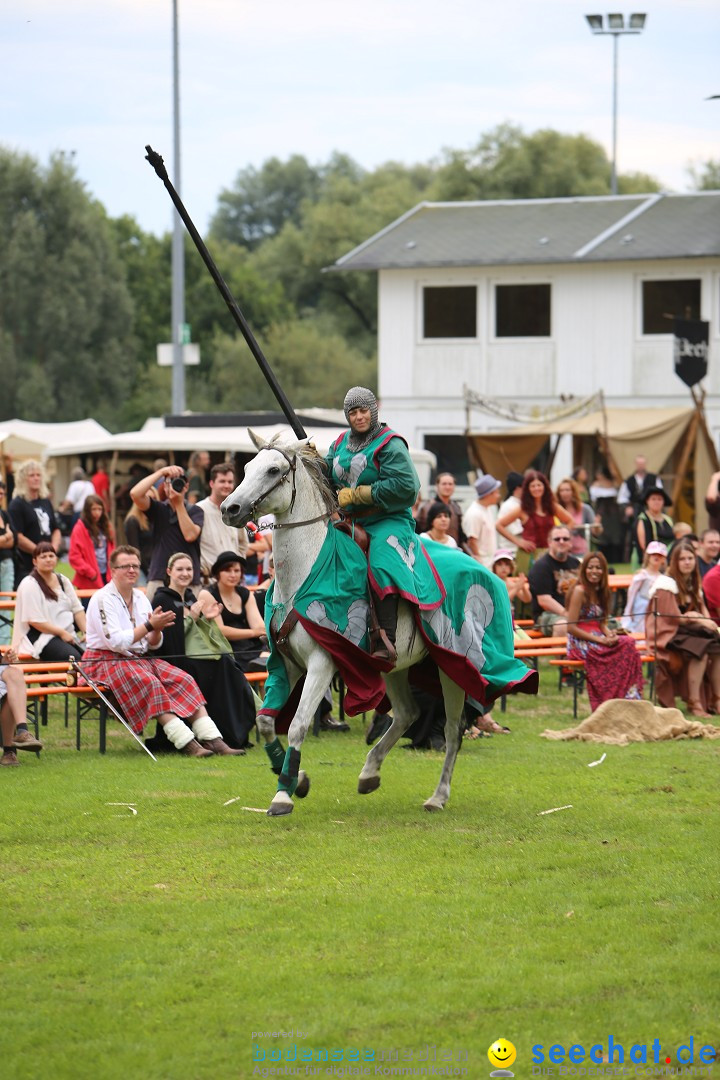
450,311
664,301
522,311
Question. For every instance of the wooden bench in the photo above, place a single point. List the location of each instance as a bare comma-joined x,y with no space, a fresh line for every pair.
45,681
575,670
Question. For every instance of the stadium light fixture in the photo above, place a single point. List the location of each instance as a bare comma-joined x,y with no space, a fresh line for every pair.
615,24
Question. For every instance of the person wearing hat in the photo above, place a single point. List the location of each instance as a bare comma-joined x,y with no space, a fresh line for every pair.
503,566
652,523
377,486
480,519
634,488
638,597
240,621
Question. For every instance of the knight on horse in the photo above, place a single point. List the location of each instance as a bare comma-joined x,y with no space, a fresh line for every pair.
377,486
408,605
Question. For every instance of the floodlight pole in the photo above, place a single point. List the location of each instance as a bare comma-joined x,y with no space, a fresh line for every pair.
613,168
616,27
178,241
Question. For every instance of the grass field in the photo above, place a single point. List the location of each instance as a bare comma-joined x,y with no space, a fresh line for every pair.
154,945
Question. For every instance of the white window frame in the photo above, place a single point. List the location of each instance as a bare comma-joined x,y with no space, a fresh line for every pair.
492,310
675,275
420,308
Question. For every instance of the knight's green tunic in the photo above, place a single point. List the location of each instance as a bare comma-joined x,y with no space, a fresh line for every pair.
397,561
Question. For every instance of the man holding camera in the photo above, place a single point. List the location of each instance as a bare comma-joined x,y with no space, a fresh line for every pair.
176,523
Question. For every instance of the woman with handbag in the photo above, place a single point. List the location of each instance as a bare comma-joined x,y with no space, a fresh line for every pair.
195,643
240,623
678,628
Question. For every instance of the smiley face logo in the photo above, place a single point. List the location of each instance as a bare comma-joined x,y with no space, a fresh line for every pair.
502,1054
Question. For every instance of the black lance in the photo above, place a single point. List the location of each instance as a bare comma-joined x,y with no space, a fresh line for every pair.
159,166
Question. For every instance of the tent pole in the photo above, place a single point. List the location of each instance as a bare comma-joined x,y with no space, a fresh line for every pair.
690,436
553,452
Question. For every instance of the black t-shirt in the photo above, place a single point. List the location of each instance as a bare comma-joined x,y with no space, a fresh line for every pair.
551,577
5,553
35,519
168,538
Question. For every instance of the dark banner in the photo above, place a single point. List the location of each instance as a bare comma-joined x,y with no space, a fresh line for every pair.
691,349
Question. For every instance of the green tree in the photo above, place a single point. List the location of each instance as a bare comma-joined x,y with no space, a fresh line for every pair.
265,199
313,365
146,260
706,176
66,340
508,164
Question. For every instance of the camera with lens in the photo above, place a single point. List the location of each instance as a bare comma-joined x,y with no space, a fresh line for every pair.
178,482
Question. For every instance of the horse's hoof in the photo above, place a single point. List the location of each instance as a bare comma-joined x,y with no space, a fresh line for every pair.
303,785
433,804
282,804
366,784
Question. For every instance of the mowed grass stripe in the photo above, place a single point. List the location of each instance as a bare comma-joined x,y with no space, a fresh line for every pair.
153,945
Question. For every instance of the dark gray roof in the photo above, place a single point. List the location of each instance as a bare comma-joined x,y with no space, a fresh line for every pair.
606,228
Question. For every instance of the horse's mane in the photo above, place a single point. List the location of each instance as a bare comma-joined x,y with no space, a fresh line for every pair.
316,467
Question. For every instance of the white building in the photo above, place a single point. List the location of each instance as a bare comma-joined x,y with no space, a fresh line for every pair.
530,300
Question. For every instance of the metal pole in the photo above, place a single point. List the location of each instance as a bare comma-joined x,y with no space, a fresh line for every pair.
178,254
613,174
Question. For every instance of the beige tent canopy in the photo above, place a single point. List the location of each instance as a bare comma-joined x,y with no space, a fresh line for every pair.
675,441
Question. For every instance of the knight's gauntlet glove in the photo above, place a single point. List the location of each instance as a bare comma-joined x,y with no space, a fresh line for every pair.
362,495
357,496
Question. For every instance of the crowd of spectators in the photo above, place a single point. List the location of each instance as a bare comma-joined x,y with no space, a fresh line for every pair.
195,572
555,551
186,651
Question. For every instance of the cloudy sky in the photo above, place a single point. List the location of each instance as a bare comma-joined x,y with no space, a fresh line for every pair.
377,79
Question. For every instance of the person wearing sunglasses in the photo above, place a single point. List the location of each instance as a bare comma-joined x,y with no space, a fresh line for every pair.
550,579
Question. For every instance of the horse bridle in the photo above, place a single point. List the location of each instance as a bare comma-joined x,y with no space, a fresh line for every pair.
292,468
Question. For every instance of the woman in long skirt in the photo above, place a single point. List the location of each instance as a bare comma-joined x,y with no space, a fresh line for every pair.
612,662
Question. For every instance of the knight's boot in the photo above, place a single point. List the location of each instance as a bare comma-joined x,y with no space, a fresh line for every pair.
382,638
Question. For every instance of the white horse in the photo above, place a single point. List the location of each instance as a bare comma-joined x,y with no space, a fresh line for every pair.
287,479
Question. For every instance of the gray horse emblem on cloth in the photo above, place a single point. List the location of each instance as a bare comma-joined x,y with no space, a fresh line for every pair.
357,619
479,610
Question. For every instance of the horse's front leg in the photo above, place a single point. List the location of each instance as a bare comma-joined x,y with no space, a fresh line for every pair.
266,724
320,670
405,710
454,698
